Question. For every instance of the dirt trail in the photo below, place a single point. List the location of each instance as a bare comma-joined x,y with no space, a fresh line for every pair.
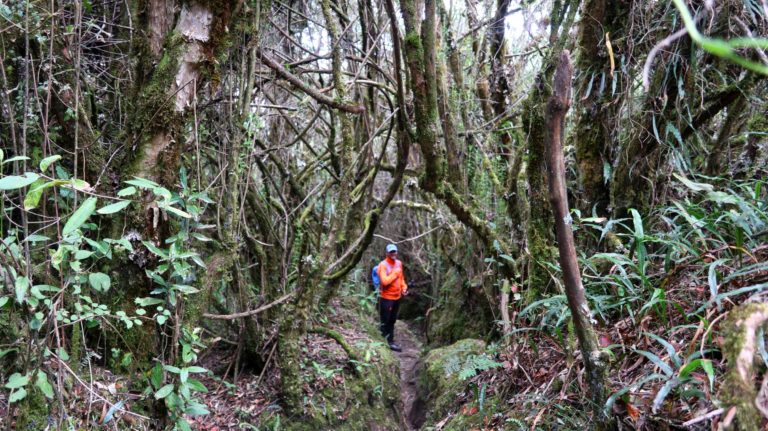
409,358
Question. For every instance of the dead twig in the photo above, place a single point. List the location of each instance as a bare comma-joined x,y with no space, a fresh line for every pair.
311,92
277,302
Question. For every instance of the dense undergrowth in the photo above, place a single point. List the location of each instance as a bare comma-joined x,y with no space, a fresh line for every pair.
662,298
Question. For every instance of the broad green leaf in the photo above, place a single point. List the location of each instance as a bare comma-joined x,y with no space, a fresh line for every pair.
202,197
80,216
637,222
141,182
507,258
13,182
79,184
99,281
83,254
102,248
156,375
113,208
21,288
197,385
200,237
36,191
155,250
183,425
172,369
48,161
178,212
47,288
164,391
689,368
36,293
4,300
62,353
44,385
34,194
198,261
717,47
16,159
183,288
36,238
196,369
128,191
17,381
146,302
196,409
17,395
163,193
121,242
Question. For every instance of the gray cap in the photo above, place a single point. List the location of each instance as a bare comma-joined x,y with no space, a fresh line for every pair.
391,247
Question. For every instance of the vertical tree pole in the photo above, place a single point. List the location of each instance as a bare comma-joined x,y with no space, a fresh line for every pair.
557,107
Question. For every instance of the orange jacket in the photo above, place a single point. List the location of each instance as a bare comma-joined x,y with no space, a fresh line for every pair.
392,279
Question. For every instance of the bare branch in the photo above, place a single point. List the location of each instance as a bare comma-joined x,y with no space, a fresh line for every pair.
250,313
313,93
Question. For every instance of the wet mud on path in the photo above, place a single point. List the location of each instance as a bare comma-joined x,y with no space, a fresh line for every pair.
409,369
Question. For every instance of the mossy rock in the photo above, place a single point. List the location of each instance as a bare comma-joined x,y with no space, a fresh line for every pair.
461,312
368,400
439,381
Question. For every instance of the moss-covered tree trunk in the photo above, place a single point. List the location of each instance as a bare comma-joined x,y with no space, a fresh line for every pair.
601,43
500,79
175,65
741,348
176,59
539,224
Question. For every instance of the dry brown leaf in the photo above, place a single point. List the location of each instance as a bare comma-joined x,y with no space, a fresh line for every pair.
633,412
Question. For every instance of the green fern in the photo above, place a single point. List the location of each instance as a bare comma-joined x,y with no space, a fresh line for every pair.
475,364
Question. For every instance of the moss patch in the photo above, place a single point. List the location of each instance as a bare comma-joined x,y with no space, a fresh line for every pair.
740,385
461,312
33,411
439,381
336,397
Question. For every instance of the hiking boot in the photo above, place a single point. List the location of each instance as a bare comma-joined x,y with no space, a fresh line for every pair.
395,347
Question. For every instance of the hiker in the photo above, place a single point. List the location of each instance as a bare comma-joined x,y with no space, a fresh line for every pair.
392,279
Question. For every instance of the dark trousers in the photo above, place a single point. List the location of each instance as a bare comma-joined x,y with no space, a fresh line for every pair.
388,309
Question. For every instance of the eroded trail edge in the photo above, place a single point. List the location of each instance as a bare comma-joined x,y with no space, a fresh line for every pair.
409,369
